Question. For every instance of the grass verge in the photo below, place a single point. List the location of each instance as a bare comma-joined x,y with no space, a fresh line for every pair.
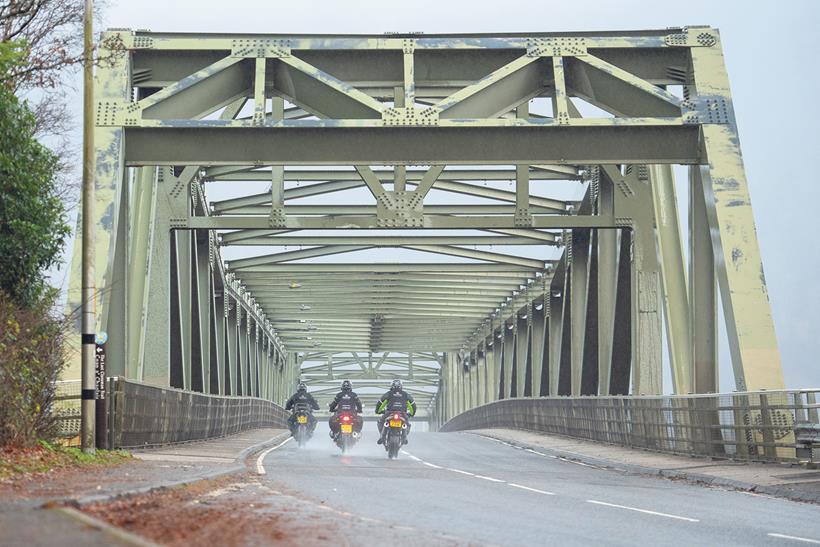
19,462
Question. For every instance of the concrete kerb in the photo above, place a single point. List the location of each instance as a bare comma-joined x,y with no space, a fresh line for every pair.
239,465
114,535
633,469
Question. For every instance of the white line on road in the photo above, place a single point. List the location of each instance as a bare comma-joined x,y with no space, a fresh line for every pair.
260,468
460,471
536,490
647,511
793,538
531,451
488,478
434,466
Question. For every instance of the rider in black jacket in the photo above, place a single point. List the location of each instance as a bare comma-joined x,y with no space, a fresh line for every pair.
395,400
302,397
345,401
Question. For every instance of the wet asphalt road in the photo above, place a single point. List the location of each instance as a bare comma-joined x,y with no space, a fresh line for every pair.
479,490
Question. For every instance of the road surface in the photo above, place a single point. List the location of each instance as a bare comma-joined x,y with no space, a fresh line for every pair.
479,490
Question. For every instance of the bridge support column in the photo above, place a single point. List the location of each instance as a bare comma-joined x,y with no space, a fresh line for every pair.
537,346
509,360
673,277
556,324
702,288
633,199
579,280
493,367
607,283
749,325
522,343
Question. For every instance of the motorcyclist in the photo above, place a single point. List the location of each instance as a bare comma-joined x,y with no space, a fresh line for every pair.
395,400
345,401
304,399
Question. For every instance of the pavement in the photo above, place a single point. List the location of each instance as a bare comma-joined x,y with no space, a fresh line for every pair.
792,481
471,489
32,512
487,487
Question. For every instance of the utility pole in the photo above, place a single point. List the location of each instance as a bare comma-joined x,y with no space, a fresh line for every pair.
88,282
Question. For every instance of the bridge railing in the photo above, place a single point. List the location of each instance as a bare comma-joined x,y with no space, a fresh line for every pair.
757,426
144,415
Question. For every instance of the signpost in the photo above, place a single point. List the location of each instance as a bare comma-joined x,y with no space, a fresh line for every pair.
101,421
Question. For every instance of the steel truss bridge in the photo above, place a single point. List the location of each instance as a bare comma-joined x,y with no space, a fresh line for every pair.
484,216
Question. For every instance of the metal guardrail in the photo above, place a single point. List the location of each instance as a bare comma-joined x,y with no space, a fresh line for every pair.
758,426
144,415
67,408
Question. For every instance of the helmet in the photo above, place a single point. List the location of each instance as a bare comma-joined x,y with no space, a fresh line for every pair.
301,386
346,385
396,385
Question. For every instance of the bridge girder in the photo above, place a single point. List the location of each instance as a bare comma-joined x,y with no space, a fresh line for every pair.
425,145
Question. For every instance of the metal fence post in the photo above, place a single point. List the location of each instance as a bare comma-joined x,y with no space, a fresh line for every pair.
767,429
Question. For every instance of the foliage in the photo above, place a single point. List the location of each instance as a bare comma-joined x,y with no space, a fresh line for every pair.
52,33
33,225
48,37
44,457
31,358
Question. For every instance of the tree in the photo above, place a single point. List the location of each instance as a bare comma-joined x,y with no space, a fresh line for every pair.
49,37
33,224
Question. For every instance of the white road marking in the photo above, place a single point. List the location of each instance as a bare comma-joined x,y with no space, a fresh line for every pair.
483,477
488,478
260,468
794,538
647,511
460,471
536,490
537,453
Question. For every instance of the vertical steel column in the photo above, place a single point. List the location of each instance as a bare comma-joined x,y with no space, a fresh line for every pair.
493,365
622,346
607,282
182,286
202,296
589,367
113,295
749,324
138,272
702,288
522,341
537,347
509,358
633,200
242,320
673,277
556,323
579,279
483,365
171,200
231,341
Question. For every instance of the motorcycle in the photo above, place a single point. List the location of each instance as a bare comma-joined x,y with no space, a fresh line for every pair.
347,436
302,432
396,424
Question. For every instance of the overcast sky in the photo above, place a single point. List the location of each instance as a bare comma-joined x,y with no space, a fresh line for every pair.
770,50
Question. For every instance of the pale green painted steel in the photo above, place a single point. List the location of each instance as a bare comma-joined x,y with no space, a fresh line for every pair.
673,277
443,133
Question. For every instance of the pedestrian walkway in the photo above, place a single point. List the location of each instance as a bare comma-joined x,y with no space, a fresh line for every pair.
30,511
791,481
